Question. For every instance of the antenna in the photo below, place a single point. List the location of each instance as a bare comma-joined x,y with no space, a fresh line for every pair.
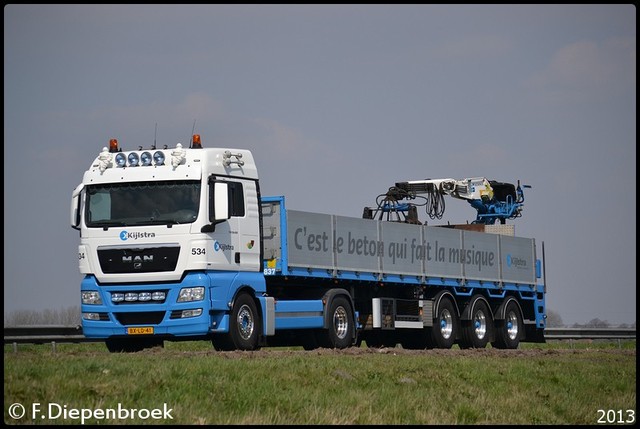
193,129
155,135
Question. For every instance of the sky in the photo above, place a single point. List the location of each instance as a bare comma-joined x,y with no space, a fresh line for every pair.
337,104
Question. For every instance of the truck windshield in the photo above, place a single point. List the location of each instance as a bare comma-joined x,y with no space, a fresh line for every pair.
142,203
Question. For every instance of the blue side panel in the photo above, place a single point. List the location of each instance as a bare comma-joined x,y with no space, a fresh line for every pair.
167,317
301,314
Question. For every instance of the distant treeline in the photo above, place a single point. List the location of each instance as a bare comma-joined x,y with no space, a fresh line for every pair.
554,320
71,316
67,316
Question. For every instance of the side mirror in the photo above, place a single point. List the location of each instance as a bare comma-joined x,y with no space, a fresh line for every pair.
75,206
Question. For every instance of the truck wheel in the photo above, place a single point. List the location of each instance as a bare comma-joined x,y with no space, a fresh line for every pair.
508,330
477,331
244,326
339,334
445,325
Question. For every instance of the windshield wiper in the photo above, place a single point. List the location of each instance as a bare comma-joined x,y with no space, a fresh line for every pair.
161,222
108,224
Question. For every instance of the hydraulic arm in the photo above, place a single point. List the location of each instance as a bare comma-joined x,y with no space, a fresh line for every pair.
494,201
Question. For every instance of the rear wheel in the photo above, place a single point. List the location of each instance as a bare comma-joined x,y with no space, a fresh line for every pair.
508,331
477,331
339,334
445,325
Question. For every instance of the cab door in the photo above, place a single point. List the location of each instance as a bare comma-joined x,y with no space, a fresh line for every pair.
244,224
235,223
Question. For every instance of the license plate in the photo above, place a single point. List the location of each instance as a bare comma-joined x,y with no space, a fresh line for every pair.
140,330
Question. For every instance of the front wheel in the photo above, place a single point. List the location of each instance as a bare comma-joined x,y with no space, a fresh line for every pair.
244,326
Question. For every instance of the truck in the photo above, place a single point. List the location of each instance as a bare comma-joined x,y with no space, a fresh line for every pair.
178,244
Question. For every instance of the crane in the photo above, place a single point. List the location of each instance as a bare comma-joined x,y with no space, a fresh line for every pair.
494,201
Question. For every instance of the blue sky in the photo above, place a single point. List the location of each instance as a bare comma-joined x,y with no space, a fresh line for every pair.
337,103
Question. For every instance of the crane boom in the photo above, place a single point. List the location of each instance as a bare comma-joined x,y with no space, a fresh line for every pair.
494,201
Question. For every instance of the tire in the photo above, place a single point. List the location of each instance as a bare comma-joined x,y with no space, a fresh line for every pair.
477,331
339,334
509,330
244,326
445,325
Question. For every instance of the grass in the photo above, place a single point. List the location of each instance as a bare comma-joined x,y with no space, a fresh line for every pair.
536,384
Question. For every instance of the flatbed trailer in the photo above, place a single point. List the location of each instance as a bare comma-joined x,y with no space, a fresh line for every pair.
401,280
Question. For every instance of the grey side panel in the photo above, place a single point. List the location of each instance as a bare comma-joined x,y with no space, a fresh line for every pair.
480,256
310,239
439,245
339,243
358,246
518,259
404,249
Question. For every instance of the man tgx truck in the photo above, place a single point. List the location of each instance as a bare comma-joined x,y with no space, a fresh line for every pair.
179,244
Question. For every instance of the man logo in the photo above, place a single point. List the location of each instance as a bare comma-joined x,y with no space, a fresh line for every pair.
137,260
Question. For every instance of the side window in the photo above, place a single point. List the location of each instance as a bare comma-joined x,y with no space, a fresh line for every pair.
236,199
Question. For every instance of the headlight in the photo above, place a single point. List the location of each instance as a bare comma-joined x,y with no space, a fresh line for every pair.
133,159
158,158
121,159
191,313
145,158
138,296
91,316
158,296
144,296
189,294
91,297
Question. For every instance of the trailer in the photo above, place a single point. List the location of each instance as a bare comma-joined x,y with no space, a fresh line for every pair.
179,244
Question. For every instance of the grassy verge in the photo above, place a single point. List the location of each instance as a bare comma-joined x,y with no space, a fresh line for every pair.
536,384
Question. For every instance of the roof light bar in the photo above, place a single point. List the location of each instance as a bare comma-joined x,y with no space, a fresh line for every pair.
113,145
197,144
